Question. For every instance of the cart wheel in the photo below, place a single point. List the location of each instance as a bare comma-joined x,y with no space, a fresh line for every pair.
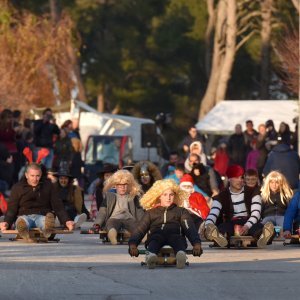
51,237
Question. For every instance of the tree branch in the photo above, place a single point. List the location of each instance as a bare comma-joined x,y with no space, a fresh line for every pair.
245,39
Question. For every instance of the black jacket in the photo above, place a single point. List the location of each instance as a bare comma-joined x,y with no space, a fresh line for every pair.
166,220
285,160
26,200
277,208
43,133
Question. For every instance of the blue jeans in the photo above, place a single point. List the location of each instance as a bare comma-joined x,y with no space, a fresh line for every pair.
276,220
34,221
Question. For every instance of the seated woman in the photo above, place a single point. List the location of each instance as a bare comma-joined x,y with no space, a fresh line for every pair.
276,195
71,196
165,222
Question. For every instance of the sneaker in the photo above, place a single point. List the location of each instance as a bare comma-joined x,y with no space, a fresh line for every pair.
112,236
180,259
79,220
49,225
151,260
22,228
212,233
266,235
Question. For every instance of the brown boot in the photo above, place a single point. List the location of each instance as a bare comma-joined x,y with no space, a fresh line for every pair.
22,228
266,235
49,225
212,233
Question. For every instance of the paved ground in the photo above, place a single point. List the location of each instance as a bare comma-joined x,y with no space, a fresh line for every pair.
81,267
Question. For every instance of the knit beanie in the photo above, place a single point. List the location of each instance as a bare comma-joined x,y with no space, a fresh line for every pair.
234,171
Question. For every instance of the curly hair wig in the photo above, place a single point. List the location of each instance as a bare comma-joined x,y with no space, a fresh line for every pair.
152,168
123,177
151,197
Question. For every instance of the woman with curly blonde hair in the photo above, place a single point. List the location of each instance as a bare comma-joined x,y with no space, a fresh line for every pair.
165,222
276,195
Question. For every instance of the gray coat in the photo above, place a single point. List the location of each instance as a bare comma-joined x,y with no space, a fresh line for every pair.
108,205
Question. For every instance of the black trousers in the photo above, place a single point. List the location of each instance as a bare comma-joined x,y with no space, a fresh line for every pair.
228,228
71,211
197,221
157,240
117,224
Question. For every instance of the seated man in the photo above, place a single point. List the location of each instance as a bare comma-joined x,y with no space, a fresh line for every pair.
292,217
237,205
166,224
121,209
32,201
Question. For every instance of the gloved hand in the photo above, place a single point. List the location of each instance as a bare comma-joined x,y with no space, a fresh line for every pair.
197,250
133,250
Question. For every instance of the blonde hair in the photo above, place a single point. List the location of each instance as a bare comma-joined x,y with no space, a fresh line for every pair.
150,198
123,177
286,193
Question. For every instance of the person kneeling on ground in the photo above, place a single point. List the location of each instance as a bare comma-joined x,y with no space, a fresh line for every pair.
32,200
121,209
165,222
237,205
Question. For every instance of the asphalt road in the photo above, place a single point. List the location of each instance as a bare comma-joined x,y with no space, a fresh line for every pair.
81,267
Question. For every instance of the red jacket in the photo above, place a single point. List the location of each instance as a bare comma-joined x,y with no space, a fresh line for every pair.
198,205
3,205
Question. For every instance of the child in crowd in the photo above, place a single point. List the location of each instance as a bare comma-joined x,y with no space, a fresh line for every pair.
178,173
166,224
251,178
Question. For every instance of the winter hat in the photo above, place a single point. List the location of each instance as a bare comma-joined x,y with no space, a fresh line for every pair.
187,178
234,171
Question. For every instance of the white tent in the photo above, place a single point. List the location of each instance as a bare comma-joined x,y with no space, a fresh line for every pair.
226,114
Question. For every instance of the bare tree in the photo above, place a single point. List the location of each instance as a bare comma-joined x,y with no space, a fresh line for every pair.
297,5
287,50
234,26
209,35
33,51
266,29
74,66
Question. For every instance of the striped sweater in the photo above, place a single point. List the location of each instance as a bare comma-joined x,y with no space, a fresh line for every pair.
228,205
